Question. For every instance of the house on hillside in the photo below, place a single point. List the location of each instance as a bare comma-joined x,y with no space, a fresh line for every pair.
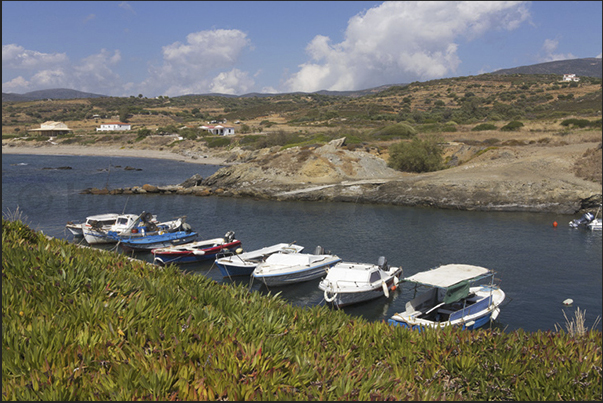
51,128
220,130
570,77
114,126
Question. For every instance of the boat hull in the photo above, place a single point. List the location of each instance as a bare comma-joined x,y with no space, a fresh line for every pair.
485,310
343,298
75,229
294,274
232,269
183,256
150,242
350,283
243,264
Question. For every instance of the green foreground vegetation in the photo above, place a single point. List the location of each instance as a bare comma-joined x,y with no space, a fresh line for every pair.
86,324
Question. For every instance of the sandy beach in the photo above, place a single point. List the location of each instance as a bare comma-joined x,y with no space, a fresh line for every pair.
58,149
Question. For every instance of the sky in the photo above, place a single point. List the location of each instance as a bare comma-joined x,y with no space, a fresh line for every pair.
172,48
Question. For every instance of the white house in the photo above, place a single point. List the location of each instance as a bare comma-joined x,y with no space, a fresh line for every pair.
221,130
570,77
114,126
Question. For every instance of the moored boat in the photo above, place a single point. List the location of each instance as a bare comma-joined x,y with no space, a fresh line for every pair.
196,251
588,220
289,268
104,221
150,242
243,264
450,299
349,283
96,228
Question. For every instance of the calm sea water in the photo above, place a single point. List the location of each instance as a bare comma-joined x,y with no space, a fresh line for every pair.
538,265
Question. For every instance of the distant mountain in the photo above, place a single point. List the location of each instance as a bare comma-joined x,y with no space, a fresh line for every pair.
57,93
353,94
587,67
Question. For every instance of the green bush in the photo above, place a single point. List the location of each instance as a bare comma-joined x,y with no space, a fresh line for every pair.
396,131
218,142
416,156
143,132
581,123
484,126
512,126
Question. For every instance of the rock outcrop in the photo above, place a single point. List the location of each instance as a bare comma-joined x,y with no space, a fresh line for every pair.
528,178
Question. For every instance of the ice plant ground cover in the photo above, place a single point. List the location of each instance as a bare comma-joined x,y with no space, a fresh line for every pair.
84,324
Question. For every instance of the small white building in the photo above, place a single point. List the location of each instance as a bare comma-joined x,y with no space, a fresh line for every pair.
113,126
220,130
570,77
51,128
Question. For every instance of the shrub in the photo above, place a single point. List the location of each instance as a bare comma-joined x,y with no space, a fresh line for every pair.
511,126
581,123
484,126
398,130
143,132
416,156
218,142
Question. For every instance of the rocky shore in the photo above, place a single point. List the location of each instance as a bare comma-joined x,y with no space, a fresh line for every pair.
530,179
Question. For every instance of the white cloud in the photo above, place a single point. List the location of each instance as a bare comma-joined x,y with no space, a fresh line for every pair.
89,17
187,68
18,84
126,6
598,56
399,42
17,57
232,82
93,74
549,47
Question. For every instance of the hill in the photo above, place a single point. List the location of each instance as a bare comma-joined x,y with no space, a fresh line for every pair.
587,67
56,93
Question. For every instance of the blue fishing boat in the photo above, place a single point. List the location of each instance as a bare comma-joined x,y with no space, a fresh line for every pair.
149,242
450,299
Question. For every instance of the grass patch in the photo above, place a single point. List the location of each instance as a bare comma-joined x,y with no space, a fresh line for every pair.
86,324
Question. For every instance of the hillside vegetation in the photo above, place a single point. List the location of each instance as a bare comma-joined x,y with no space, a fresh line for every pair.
465,116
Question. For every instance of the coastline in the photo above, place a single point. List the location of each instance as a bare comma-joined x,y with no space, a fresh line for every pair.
57,149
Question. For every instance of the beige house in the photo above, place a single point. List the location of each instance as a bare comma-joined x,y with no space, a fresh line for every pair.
51,128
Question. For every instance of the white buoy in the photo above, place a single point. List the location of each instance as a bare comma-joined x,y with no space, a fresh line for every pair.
568,301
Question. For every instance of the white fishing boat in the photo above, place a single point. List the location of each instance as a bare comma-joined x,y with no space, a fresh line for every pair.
94,230
289,268
451,300
349,283
127,225
101,221
243,263
588,220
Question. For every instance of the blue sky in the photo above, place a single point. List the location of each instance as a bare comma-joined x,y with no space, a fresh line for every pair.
173,48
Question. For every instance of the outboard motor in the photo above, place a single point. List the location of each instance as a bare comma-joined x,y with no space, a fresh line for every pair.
585,219
229,236
319,250
382,263
186,227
